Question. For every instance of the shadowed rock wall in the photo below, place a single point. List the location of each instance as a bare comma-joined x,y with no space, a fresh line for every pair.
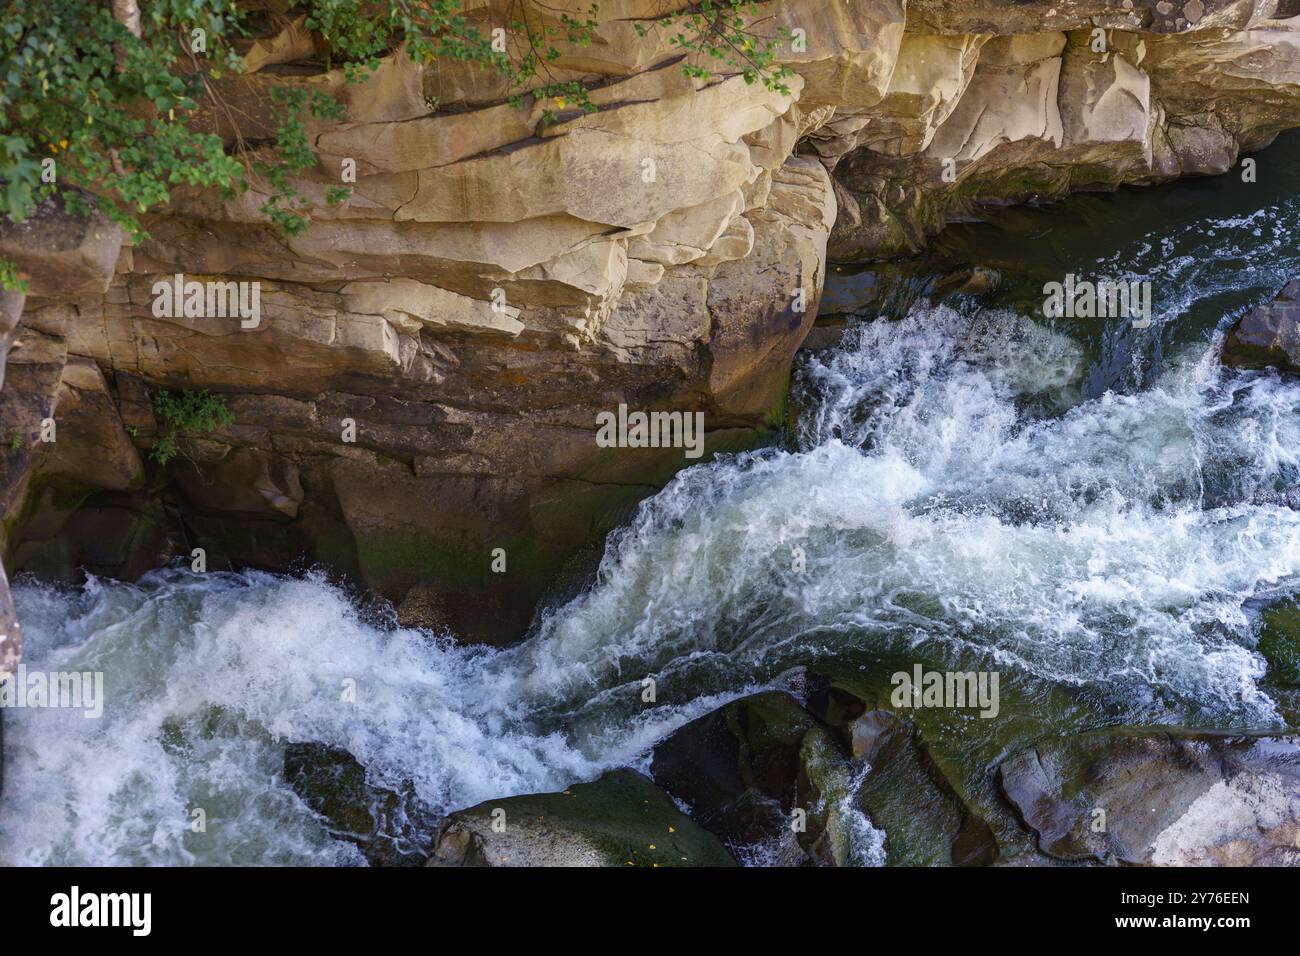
495,282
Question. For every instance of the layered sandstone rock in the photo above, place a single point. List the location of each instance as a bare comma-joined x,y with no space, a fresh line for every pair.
1061,97
423,385
1167,799
1146,16
419,397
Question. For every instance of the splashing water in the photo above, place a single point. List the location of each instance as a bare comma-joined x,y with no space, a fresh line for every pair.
954,487
1112,545
207,677
939,497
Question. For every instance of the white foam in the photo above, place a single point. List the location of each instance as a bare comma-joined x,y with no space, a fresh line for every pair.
1109,543
230,667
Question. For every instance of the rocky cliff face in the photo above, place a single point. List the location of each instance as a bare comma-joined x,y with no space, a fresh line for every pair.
1013,102
423,384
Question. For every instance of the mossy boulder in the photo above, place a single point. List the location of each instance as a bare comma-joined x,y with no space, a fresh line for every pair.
737,767
621,819
390,827
1279,642
960,748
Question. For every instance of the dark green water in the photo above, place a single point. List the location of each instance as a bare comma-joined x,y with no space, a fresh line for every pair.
1086,508
1212,248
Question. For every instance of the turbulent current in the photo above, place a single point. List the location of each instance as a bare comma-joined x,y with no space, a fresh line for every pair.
1088,509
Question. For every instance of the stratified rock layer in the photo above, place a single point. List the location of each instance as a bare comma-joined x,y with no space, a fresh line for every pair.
416,407
1030,101
1170,799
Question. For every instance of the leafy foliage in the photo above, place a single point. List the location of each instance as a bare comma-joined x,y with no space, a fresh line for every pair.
724,31
293,155
109,109
128,119
185,412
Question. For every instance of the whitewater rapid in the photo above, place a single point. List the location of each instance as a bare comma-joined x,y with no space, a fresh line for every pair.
964,486
950,491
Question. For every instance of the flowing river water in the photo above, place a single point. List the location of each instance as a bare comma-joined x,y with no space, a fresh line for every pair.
1096,512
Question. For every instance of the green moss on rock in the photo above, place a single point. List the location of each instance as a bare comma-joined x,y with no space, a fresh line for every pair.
621,819
1279,642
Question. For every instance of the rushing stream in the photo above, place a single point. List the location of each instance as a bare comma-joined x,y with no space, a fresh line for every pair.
1094,511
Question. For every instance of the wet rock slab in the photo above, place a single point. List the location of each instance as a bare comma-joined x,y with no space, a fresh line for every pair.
910,797
621,819
737,767
1269,335
1172,798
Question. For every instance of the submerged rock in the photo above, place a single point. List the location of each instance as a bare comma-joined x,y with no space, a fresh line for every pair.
621,819
737,768
1175,798
391,828
973,280
771,780
1269,335
1279,642
907,794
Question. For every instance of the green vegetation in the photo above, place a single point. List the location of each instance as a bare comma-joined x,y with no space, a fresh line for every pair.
185,412
723,30
124,110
